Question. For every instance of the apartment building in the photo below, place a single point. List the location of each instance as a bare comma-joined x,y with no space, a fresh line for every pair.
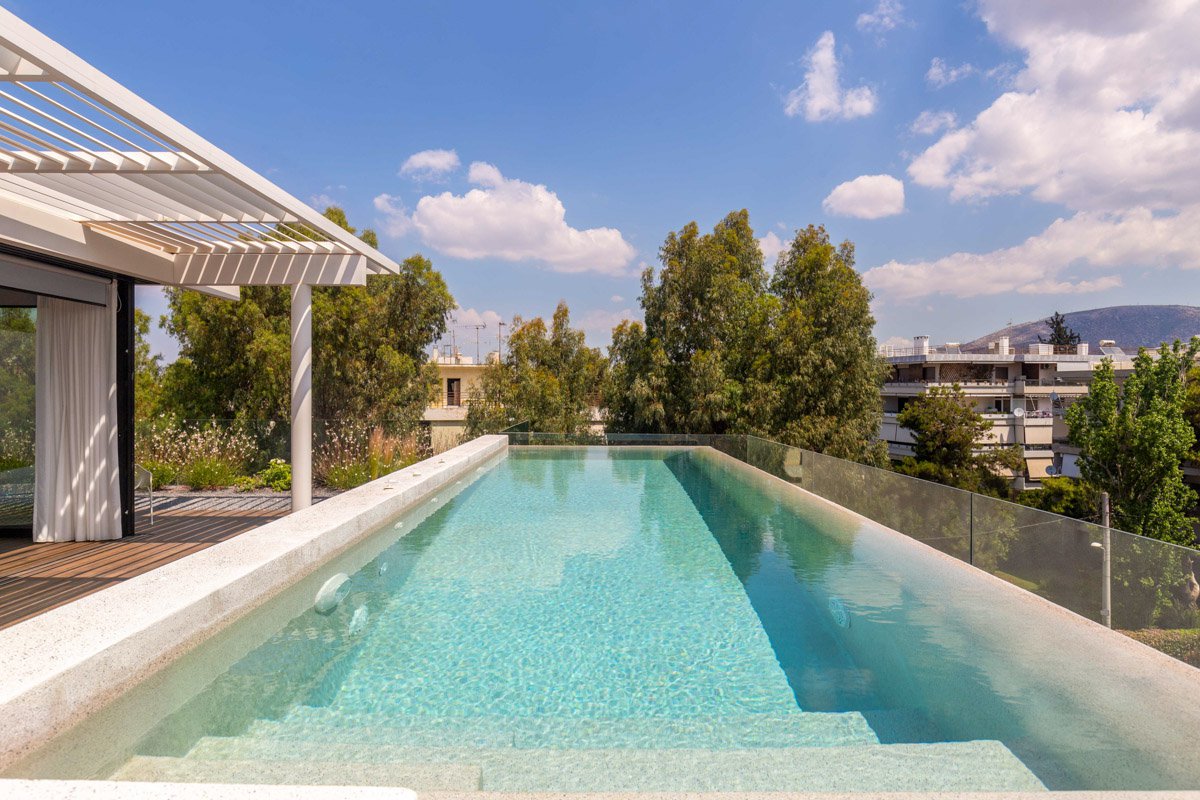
1023,394
458,380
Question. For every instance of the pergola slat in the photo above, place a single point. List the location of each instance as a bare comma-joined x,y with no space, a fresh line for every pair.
76,143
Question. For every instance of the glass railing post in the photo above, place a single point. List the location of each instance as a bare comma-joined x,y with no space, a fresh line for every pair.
971,528
1106,590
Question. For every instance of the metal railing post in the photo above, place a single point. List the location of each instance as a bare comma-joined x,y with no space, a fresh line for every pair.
1106,571
971,530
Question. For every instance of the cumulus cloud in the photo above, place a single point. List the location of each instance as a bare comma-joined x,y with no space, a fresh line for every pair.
616,298
1102,119
321,201
866,197
771,246
887,15
821,96
507,219
928,123
941,74
429,164
1058,260
395,221
1104,115
598,324
469,316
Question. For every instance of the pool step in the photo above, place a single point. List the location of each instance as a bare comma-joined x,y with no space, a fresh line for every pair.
950,766
428,777
799,729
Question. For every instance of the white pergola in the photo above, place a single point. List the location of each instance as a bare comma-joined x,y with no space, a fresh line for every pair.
93,175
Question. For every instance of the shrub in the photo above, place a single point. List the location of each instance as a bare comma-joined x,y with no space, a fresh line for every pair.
246,483
16,448
208,473
162,473
202,455
277,475
1182,644
354,454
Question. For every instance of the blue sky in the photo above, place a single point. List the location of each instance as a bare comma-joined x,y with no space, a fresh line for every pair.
1054,166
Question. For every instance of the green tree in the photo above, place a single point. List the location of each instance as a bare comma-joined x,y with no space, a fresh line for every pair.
704,310
1061,334
18,357
725,348
369,347
147,370
1132,437
1067,496
549,377
945,431
823,373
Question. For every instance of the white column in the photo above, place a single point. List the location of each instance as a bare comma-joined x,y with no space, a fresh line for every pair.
302,479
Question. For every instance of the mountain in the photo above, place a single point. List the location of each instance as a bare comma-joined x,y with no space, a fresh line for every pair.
1130,326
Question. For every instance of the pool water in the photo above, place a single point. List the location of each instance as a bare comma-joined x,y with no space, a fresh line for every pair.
637,619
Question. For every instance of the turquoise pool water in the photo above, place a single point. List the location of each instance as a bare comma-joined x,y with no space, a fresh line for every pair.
658,619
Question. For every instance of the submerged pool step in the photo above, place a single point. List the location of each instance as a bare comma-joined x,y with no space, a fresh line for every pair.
799,729
949,766
445,776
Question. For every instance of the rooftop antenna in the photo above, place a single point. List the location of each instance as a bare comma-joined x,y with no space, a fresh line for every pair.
478,328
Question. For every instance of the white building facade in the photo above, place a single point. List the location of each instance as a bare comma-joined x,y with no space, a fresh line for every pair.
1023,394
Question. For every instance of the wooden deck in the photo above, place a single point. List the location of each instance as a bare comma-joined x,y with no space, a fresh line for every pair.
38,577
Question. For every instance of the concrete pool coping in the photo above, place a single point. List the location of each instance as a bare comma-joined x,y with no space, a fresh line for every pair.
216,603
111,790
61,666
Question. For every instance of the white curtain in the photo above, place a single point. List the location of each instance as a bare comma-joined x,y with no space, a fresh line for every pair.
76,493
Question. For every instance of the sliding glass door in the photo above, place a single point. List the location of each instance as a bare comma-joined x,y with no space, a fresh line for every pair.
17,374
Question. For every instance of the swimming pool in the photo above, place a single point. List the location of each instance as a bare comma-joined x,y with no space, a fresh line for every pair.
652,619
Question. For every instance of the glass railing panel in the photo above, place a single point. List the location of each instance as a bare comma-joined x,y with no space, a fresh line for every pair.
939,516
1155,587
1047,554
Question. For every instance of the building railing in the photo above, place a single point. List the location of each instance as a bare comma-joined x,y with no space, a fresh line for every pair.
1059,558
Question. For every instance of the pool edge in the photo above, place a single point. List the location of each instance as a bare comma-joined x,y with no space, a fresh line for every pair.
61,666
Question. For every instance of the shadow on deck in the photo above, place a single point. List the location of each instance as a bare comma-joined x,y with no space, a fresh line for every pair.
35,578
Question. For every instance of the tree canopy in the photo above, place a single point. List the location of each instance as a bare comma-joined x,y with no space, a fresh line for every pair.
369,348
1132,437
1061,334
945,431
549,377
728,348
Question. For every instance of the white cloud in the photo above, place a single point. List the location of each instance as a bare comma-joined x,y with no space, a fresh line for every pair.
821,96
1054,261
616,298
1102,119
887,15
395,221
771,246
866,197
896,343
321,201
1104,115
469,316
941,74
430,164
928,123
511,220
598,324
